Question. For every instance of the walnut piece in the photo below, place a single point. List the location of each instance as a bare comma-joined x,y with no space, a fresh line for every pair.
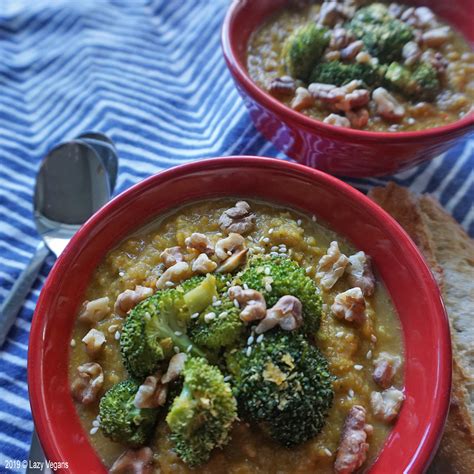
387,106
199,242
287,313
359,273
237,219
175,367
358,118
236,260
436,37
302,100
344,98
252,303
128,299
178,272
340,38
351,50
151,393
282,86
331,266
411,53
333,13
203,264
134,461
87,386
94,311
386,366
337,120
171,256
353,445
94,341
386,405
350,306
229,245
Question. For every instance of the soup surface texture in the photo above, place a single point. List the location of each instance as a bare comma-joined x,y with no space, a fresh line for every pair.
349,349
375,67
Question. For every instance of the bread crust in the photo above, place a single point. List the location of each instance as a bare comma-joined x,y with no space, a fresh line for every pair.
449,252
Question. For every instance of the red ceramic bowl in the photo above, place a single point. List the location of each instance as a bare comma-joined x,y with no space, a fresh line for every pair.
415,435
336,150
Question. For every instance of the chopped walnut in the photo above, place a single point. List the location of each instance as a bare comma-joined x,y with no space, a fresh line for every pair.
340,38
387,106
386,366
331,266
94,311
343,98
421,17
199,242
337,120
353,100
130,298
302,100
351,50
353,446
236,260
87,386
171,256
359,273
358,118
151,393
287,313
350,306
94,341
178,272
386,405
282,86
252,303
411,53
175,367
436,37
230,245
333,13
134,461
238,219
203,264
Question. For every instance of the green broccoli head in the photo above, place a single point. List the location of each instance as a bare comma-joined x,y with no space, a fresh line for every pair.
284,385
276,276
121,420
383,35
303,49
422,83
201,417
223,330
339,73
158,324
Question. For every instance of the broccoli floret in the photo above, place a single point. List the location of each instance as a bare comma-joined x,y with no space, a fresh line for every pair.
278,276
383,35
303,49
224,330
121,420
201,417
158,324
338,73
284,386
422,83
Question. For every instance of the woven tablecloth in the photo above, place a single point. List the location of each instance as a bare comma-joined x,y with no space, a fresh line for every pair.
150,74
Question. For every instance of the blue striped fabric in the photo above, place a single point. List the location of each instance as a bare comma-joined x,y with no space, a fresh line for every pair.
150,74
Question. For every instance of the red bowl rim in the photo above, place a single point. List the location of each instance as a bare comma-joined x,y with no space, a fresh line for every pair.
36,379
239,70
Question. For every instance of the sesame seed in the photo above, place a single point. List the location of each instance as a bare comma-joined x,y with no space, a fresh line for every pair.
351,393
236,304
339,334
283,255
178,333
121,273
373,338
169,283
94,430
246,287
411,121
209,317
73,343
248,351
112,328
95,423
358,367
274,254
268,287
267,271
327,452
266,240
229,253
214,298
369,355
194,315
274,249
223,314
227,378
217,303
308,269
299,222
228,283
260,339
176,349
250,340
189,348
117,335
250,238
270,231
313,218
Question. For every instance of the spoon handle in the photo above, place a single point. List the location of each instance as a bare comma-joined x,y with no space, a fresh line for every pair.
19,291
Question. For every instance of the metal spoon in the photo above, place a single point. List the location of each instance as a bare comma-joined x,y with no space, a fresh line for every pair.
75,179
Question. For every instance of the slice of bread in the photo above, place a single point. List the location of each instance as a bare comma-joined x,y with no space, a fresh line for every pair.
449,252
